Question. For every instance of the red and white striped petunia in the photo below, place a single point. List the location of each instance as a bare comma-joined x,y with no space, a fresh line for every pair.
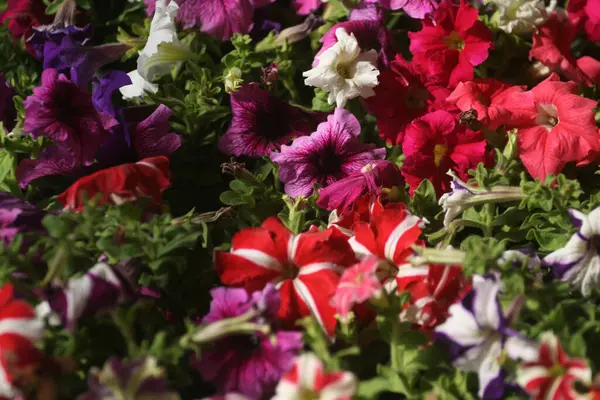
305,268
552,375
308,379
19,329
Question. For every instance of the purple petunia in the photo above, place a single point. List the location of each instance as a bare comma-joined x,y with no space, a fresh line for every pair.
18,216
370,179
8,112
263,122
247,363
477,333
413,8
331,153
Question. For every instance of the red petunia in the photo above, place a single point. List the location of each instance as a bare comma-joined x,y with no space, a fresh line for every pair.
451,44
404,93
305,268
24,15
486,96
436,143
557,127
124,183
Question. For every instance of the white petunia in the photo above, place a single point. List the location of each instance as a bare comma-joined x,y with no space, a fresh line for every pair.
522,16
162,30
344,71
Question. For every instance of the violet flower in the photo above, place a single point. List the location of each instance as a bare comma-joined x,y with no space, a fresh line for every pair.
370,179
56,159
101,288
246,355
578,262
45,34
413,8
262,122
477,334
64,112
8,112
104,88
132,380
18,216
331,153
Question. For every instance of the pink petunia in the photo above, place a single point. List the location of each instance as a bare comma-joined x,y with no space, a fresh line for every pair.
413,8
452,43
436,143
585,15
557,127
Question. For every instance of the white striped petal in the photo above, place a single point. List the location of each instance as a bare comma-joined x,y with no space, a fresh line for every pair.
306,296
318,267
392,241
259,258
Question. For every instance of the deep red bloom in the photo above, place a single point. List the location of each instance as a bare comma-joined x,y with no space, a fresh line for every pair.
24,15
451,44
305,268
487,97
360,211
404,93
124,183
435,144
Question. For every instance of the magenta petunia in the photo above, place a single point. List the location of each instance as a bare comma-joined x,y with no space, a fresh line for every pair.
331,153
413,8
263,122
62,111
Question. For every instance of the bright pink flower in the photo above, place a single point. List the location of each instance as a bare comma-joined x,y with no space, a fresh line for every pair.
436,143
308,378
413,8
370,179
487,97
305,7
552,375
451,43
404,93
358,284
585,14
552,47
306,268
558,127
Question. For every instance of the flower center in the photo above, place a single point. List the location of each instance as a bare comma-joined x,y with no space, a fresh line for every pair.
290,271
308,394
547,116
367,168
416,98
454,41
439,152
557,370
345,70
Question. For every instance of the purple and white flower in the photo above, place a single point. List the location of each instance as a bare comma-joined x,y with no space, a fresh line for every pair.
331,153
478,333
579,261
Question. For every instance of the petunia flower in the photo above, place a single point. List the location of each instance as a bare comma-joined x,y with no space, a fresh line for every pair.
487,97
308,377
117,185
18,216
104,88
62,111
250,363
579,262
8,112
436,143
413,8
556,127
552,46
344,71
305,7
357,284
362,210
370,179
102,288
521,16
453,45
162,30
477,334
305,268
262,122
135,380
552,374
585,15
23,15
51,33
331,153
21,329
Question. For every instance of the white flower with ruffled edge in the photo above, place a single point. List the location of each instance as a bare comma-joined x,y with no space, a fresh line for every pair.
344,71
522,16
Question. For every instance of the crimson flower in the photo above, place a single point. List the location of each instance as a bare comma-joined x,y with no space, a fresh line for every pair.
557,127
553,374
451,43
585,14
360,211
120,184
22,15
436,143
305,268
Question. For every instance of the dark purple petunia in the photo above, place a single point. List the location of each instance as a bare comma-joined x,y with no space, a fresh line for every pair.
53,160
104,88
331,153
62,111
18,216
370,179
262,123
48,33
248,363
8,112
137,379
